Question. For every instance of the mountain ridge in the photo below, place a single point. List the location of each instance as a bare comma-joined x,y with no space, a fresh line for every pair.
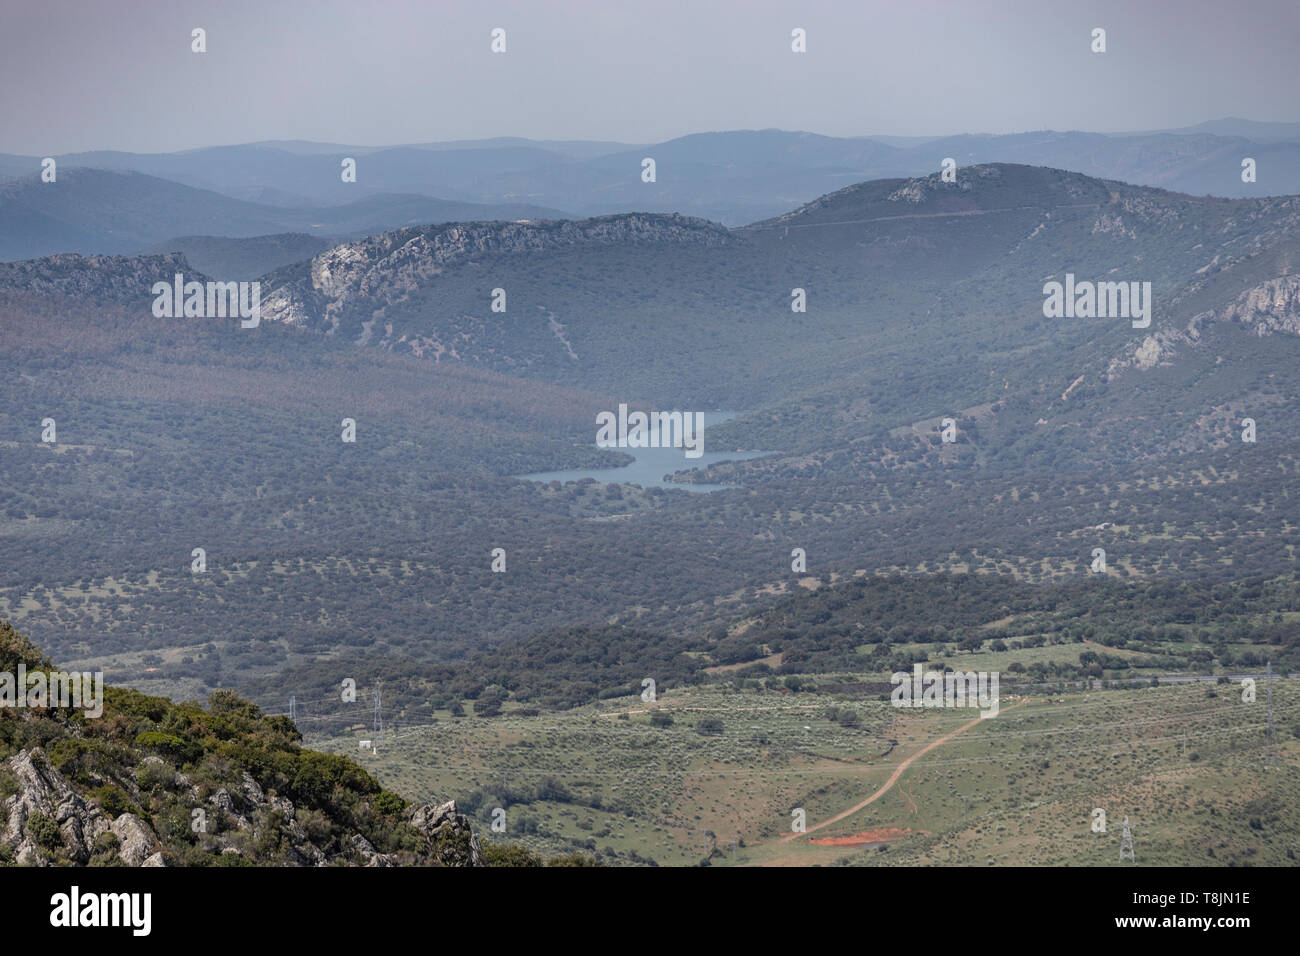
113,212
736,176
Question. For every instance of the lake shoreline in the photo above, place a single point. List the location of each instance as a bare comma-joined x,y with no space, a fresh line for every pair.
651,467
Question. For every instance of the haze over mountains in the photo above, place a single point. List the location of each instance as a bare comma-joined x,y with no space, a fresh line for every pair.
1073,436
733,177
939,282
825,434
924,301
104,211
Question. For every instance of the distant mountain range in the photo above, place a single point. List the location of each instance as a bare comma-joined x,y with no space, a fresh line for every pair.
111,211
732,177
945,279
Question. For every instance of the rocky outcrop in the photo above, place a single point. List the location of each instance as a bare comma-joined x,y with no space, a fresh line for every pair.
363,848
1112,224
1153,350
135,840
450,839
1268,308
44,799
382,270
42,790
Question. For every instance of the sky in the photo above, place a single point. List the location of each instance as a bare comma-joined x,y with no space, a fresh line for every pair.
87,74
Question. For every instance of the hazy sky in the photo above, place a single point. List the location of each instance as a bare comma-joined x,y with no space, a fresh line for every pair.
77,74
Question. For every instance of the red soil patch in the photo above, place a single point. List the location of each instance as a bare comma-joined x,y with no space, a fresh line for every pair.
865,837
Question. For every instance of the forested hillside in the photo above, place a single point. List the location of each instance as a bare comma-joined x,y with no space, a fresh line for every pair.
924,306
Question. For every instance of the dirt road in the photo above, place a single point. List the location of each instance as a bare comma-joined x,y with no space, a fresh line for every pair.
893,778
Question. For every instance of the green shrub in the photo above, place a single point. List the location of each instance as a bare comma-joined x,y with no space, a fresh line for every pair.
573,859
182,750
229,859
389,804
44,832
510,854
66,754
317,774
112,800
153,776
174,826
8,783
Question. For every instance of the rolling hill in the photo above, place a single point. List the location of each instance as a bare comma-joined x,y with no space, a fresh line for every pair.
97,211
938,284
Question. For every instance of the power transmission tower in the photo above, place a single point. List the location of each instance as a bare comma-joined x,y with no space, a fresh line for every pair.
1272,741
379,721
1126,843
293,708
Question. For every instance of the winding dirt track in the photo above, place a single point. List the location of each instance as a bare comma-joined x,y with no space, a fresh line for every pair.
893,778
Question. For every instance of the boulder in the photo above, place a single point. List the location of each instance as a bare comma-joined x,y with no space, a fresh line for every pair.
450,840
136,840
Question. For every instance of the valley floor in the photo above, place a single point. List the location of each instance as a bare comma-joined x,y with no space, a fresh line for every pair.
1184,763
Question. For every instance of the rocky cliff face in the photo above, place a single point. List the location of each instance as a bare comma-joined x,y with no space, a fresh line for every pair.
47,821
1270,308
382,270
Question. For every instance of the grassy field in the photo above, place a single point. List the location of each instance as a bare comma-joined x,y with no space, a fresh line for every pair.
1183,762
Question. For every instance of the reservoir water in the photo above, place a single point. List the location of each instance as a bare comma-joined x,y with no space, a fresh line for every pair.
652,464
